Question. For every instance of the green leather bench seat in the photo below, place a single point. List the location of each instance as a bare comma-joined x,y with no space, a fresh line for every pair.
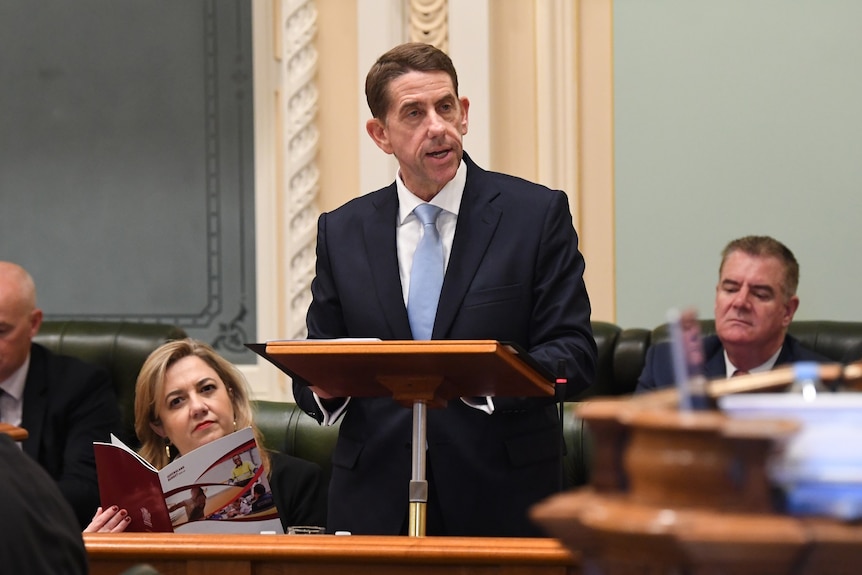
122,347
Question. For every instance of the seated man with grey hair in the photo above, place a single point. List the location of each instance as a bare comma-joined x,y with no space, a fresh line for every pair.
755,301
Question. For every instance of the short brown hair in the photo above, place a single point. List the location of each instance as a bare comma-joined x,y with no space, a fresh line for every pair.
404,58
765,246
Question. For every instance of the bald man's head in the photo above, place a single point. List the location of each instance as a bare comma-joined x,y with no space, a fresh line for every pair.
20,319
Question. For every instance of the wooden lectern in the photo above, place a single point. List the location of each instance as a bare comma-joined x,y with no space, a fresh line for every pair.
416,374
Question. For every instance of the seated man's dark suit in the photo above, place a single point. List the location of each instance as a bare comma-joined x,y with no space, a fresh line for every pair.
514,274
658,368
68,404
40,532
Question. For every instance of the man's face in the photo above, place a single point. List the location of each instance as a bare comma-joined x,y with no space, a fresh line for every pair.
18,325
750,306
423,130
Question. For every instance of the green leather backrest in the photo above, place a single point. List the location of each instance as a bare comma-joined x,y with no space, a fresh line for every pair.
285,427
621,357
606,336
119,347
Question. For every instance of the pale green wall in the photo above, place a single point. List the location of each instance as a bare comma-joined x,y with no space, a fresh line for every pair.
736,117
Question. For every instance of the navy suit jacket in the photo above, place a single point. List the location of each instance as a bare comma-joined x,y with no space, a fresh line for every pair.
658,368
68,404
515,274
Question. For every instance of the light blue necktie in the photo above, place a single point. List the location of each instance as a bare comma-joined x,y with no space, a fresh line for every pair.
426,277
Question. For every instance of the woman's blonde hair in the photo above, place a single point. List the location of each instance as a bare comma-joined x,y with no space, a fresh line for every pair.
150,388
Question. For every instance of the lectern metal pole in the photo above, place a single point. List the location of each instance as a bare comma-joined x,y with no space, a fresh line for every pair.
418,482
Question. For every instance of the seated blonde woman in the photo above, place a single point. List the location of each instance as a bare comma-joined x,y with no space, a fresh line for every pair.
187,395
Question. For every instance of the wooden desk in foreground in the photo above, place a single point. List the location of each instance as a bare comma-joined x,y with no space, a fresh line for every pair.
175,554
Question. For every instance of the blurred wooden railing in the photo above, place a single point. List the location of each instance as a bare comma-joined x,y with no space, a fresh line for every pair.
180,554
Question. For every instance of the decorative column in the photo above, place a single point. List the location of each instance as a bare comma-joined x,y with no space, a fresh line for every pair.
428,21
298,178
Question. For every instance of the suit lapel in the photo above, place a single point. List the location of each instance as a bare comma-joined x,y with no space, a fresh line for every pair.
788,351
477,220
715,366
35,400
381,251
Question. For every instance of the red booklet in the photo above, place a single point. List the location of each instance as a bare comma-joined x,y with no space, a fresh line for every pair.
220,487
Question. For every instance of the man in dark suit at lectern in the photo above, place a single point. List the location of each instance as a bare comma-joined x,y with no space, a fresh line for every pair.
513,272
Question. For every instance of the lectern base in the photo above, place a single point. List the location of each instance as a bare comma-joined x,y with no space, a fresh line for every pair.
416,526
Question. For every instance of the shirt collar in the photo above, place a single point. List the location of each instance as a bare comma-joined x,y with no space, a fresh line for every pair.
14,385
765,366
449,198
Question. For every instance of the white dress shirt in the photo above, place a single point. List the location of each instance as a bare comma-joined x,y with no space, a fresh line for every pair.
765,366
12,396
